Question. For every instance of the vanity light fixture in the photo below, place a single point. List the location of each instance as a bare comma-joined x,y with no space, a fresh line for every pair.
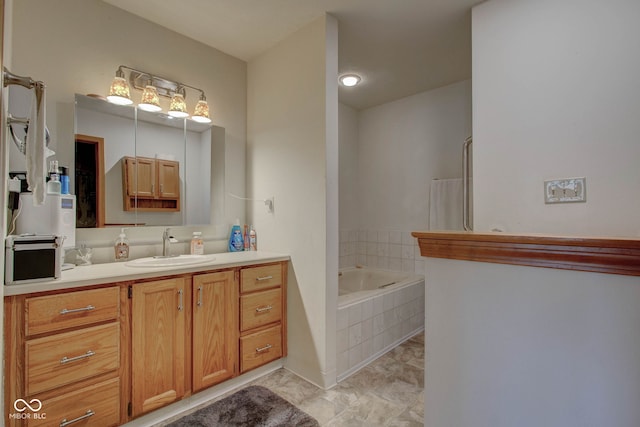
201,113
150,100
178,107
153,87
350,79
119,90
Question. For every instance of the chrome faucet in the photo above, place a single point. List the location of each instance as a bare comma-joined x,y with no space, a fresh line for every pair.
167,240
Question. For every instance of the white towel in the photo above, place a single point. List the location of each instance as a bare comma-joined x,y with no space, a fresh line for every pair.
36,144
445,204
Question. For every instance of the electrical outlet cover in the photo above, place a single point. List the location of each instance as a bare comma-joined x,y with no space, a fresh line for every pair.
567,190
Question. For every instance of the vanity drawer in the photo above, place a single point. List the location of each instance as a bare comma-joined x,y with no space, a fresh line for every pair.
64,358
263,277
99,404
260,308
260,347
61,311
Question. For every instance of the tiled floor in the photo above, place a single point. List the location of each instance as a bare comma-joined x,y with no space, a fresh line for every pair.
387,392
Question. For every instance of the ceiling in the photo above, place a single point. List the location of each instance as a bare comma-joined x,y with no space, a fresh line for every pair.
399,47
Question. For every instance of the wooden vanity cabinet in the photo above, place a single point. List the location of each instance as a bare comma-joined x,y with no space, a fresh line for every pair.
179,323
158,345
263,327
106,354
151,185
65,351
215,328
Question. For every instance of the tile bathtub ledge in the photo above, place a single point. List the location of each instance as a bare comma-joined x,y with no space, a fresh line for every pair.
593,254
113,272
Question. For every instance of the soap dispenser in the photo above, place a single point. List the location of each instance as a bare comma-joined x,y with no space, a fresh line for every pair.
122,247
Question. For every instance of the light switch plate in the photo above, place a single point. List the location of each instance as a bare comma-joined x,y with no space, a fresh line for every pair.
567,190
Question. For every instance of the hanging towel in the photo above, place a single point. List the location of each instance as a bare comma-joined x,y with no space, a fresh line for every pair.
445,204
36,145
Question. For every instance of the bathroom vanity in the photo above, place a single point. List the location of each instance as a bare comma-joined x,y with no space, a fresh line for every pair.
109,342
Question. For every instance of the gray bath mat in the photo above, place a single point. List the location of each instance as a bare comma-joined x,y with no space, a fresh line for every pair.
251,406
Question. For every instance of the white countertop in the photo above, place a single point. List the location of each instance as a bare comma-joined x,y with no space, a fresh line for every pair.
96,274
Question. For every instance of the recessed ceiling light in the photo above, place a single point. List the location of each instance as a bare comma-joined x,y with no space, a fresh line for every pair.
350,79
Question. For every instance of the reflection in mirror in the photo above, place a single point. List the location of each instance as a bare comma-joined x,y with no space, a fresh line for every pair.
89,181
148,159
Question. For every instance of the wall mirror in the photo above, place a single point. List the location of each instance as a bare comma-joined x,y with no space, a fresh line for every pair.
132,166
188,164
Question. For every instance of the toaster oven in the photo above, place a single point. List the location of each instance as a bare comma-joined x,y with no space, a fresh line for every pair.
32,258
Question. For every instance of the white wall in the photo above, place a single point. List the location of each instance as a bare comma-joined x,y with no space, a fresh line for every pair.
553,97
529,347
73,47
388,156
555,89
292,155
348,168
405,144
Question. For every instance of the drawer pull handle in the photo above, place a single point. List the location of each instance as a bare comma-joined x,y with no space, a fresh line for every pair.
180,305
66,359
65,423
260,279
263,349
263,309
77,310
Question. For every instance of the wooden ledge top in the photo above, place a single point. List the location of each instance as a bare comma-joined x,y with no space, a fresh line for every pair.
594,254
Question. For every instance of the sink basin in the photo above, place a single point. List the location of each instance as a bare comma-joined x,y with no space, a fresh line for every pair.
170,261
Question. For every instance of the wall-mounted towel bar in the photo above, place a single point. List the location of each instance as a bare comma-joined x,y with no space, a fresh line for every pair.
467,221
9,78
18,127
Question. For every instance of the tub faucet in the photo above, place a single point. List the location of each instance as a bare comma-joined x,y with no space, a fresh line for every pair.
167,240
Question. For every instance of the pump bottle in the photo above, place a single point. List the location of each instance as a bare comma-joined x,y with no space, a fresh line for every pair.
121,247
197,245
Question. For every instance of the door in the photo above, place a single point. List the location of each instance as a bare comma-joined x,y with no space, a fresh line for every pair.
89,181
158,343
215,328
141,176
168,179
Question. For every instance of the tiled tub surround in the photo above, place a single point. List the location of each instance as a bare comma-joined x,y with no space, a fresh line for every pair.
383,249
371,326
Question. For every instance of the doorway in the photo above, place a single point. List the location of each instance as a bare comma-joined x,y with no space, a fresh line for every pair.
89,181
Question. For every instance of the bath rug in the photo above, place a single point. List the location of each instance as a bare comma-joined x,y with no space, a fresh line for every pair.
251,406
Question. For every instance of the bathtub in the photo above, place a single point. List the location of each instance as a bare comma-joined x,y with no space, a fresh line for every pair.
358,283
377,310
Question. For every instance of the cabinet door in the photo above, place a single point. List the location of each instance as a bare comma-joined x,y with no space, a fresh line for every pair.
141,176
158,346
215,326
168,179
